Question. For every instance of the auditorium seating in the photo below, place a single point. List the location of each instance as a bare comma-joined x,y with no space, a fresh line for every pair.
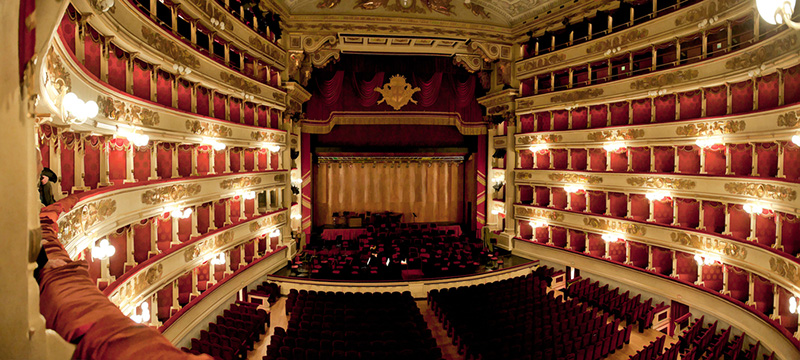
620,305
264,294
233,333
518,319
347,326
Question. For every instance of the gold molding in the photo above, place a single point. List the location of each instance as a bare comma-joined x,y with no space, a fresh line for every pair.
203,128
267,48
577,95
785,269
78,220
170,48
119,110
240,182
617,41
661,183
539,139
576,178
705,11
208,246
672,78
239,83
394,118
788,119
711,128
56,74
169,193
758,56
705,243
539,213
397,92
613,135
535,63
616,226
761,191
271,220
275,137
139,282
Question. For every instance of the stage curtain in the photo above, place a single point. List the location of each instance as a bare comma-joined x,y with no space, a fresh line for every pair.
791,85
765,229
640,159
688,213
715,160
716,100
618,203
597,247
141,79
543,121
91,53
598,116
433,191
689,159
662,260
117,67
249,113
741,159
767,159
577,240
713,217
641,111
560,120
597,159
93,145
527,123
367,96
164,88
559,198
619,161
559,158
235,112
738,283
691,104
768,91
219,106
597,202
790,234
580,118
141,162
619,113
742,97
202,101
578,159
559,237
184,95
665,108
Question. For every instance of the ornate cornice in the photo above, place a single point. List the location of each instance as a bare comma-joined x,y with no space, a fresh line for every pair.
81,218
272,220
577,95
576,178
788,119
785,269
661,182
657,81
761,191
758,56
122,111
240,183
705,243
169,193
56,74
540,62
274,137
538,139
711,128
169,47
613,135
617,41
705,11
239,83
538,213
616,226
209,246
267,48
214,12
141,281
207,129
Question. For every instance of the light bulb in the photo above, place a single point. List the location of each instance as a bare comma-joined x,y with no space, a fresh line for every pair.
793,305
768,9
613,146
273,148
573,188
538,148
699,259
796,140
91,109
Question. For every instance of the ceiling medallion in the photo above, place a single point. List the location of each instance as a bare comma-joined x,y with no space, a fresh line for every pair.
397,92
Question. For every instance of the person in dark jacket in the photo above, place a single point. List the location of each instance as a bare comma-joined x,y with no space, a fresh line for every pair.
49,191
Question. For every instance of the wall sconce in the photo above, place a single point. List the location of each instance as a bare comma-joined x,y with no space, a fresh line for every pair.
218,24
248,195
658,195
613,51
247,97
275,233
103,250
575,188
297,216
183,70
796,139
271,148
181,214
757,71
144,317
497,211
614,146
753,208
707,260
135,138
708,141
537,224
777,12
793,305
297,181
612,238
707,22
216,145
219,259
75,111
540,148
654,93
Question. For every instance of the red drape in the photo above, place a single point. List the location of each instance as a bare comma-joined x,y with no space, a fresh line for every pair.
598,116
164,88
768,91
92,57
141,162
742,97
141,79
716,100
791,85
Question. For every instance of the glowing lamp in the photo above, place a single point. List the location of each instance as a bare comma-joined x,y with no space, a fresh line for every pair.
775,11
657,195
611,238
181,214
613,146
796,140
537,224
103,250
708,141
793,305
753,208
273,148
541,148
144,317
574,188
219,259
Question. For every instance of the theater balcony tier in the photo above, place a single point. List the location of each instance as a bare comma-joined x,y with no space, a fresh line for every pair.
235,124
588,45
90,215
765,57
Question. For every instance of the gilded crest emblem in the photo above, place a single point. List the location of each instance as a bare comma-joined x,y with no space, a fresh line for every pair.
397,92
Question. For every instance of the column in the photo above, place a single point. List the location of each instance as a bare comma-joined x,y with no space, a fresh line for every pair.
550,193
195,292
776,303
650,266
212,161
175,240
227,161
675,211
228,263
778,232
154,236
104,166
585,243
241,160
175,305
256,151
701,223
211,277
195,233
608,203
725,290
256,208
569,159
702,160
174,151
227,211
608,161
751,290
549,235
510,197
129,164
241,256
675,166
753,219
674,273
628,204
780,160
652,158
212,216
154,310
728,159
754,159
193,156
569,201
80,170
241,208
699,275
628,253
269,160
608,247
130,262
727,209
153,161
651,215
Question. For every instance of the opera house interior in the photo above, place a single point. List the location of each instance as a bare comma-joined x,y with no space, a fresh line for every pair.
400,179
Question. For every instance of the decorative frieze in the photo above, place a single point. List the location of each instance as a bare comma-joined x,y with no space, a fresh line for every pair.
576,178
269,221
122,111
56,74
788,119
614,135
705,11
712,244
617,41
758,56
138,283
78,220
169,47
661,182
657,81
267,48
711,128
577,95
538,139
240,182
538,213
239,83
274,137
786,269
540,62
169,193
761,191
615,226
208,247
208,129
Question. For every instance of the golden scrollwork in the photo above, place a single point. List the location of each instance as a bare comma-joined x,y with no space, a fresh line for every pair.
267,48
617,41
122,111
80,219
208,129
616,226
272,220
169,47
672,78
56,74
275,137
169,193
711,128
788,119
535,63
538,213
209,246
614,135
280,177
661,183
705,11
239,83
240,182
761,191
397,92
577,95
705,243
785,269
139,283
575,178
758,56
538,139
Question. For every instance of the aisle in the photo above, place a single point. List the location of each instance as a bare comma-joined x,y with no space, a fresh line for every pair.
277,318
449,351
